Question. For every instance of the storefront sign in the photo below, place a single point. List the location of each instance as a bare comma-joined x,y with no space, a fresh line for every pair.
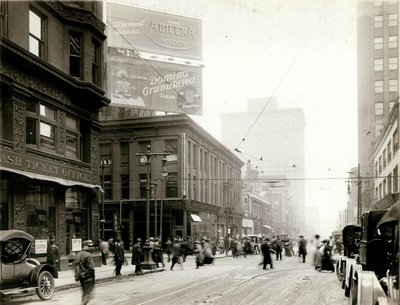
155,85
76,244
36,165
153,32
40,246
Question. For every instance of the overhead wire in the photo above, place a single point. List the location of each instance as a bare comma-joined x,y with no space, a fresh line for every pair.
271,96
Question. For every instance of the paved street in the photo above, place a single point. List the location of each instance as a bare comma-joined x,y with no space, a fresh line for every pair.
228,281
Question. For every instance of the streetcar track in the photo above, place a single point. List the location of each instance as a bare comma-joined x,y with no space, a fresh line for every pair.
220,293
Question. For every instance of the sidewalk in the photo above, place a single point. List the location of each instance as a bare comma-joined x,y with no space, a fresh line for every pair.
66,279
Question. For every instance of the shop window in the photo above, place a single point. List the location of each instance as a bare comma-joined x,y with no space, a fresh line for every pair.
40,210
172,185
37,27
76,216
75,54
178,217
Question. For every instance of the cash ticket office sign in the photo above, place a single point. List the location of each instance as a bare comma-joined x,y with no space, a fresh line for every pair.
153,32
154,85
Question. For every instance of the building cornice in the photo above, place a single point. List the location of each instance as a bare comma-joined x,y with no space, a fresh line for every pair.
75,15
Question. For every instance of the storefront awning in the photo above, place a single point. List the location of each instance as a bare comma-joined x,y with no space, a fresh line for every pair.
61,181
267,227
195,217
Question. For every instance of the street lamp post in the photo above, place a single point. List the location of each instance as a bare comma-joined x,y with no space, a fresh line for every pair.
164,174
146,157
155,184
103,219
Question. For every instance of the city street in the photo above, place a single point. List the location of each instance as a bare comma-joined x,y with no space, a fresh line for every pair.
228,281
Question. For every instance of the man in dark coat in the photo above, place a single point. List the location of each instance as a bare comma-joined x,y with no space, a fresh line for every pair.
137,255
119,257
53,254
302,248
84,271
176,254
265,250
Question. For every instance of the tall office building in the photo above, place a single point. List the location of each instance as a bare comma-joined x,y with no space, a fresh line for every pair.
274,144
378,80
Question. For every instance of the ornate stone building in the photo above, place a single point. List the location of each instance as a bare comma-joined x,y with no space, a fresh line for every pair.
52,87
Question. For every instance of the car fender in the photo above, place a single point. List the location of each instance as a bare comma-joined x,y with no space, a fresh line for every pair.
34,274
351,266
368,289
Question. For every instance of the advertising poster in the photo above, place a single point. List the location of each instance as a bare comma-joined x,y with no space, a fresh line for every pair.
76,244
40,246
161,86
153,32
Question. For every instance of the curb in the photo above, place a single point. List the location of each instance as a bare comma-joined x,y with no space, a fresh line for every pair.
107,279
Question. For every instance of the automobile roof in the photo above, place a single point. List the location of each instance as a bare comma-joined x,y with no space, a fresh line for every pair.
10,234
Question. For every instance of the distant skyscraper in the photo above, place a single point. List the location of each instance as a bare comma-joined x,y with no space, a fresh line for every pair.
274,145
377,77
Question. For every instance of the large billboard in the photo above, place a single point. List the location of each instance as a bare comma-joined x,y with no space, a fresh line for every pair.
153,32
162,86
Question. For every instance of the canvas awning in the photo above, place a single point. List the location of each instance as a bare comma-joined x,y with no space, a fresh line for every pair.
195,217
61,181
267,227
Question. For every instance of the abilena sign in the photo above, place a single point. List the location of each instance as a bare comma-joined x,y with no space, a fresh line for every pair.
153,32
155,85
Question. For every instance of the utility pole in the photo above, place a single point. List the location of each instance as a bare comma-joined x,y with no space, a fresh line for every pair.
359,203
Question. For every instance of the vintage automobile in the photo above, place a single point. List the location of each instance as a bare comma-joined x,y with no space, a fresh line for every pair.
19,273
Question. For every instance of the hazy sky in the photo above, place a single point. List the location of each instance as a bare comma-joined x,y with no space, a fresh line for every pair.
305,52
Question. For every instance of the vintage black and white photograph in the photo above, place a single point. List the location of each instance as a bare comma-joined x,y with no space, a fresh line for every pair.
187,152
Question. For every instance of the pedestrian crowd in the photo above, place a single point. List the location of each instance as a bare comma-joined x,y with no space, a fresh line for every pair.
204,250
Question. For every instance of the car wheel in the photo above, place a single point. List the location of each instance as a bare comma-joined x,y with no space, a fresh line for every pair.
339,273
354,292
46,285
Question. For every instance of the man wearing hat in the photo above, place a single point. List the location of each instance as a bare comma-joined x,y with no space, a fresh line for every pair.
302,247
119,256
137,256
53,253
84,271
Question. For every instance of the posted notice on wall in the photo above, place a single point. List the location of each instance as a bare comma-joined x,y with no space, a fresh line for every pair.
76,244
40,246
